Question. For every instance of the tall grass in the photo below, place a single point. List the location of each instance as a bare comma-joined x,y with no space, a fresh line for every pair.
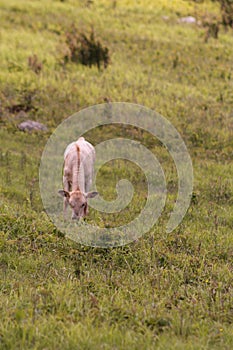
165,291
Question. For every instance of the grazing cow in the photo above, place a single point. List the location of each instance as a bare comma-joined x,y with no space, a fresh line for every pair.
79,158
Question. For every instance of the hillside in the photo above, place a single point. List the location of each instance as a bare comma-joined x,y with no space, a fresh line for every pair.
165,290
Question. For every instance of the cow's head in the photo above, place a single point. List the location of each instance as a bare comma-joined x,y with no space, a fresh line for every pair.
77,200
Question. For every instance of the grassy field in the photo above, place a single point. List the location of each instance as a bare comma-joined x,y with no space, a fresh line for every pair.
165,290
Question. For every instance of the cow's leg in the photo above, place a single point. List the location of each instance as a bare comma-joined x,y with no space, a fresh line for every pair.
88,183
66,186
65,205
89,174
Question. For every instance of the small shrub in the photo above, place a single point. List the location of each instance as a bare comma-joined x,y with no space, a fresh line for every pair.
24,102
212,31
85,49
212,25
35,64
88,3
227,12
175,61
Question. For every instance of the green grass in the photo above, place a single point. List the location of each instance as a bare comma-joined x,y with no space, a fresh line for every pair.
164,291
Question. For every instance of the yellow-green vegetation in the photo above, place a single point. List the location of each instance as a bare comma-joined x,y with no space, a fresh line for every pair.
164,291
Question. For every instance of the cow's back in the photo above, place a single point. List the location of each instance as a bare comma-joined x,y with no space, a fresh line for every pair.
87,159
87,151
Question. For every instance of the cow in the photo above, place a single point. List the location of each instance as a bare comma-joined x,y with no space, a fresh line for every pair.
79,158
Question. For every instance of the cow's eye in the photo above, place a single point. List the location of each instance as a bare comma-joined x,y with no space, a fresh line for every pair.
82,205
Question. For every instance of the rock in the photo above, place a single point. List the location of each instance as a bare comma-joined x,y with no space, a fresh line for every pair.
188,19
165,18
30,125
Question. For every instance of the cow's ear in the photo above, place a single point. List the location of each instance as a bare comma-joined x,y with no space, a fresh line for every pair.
91,194
64,193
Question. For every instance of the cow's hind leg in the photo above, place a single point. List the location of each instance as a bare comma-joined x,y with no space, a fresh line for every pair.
88,182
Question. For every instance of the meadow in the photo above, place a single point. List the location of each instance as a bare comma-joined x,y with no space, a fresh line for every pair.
165,290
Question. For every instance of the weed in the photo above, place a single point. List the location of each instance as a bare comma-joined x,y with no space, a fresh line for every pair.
227,12
85,49
35,64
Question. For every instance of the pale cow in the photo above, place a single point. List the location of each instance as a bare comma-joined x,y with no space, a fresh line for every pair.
79,158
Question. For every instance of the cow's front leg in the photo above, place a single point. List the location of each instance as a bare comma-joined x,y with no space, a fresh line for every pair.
66,186
65,205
